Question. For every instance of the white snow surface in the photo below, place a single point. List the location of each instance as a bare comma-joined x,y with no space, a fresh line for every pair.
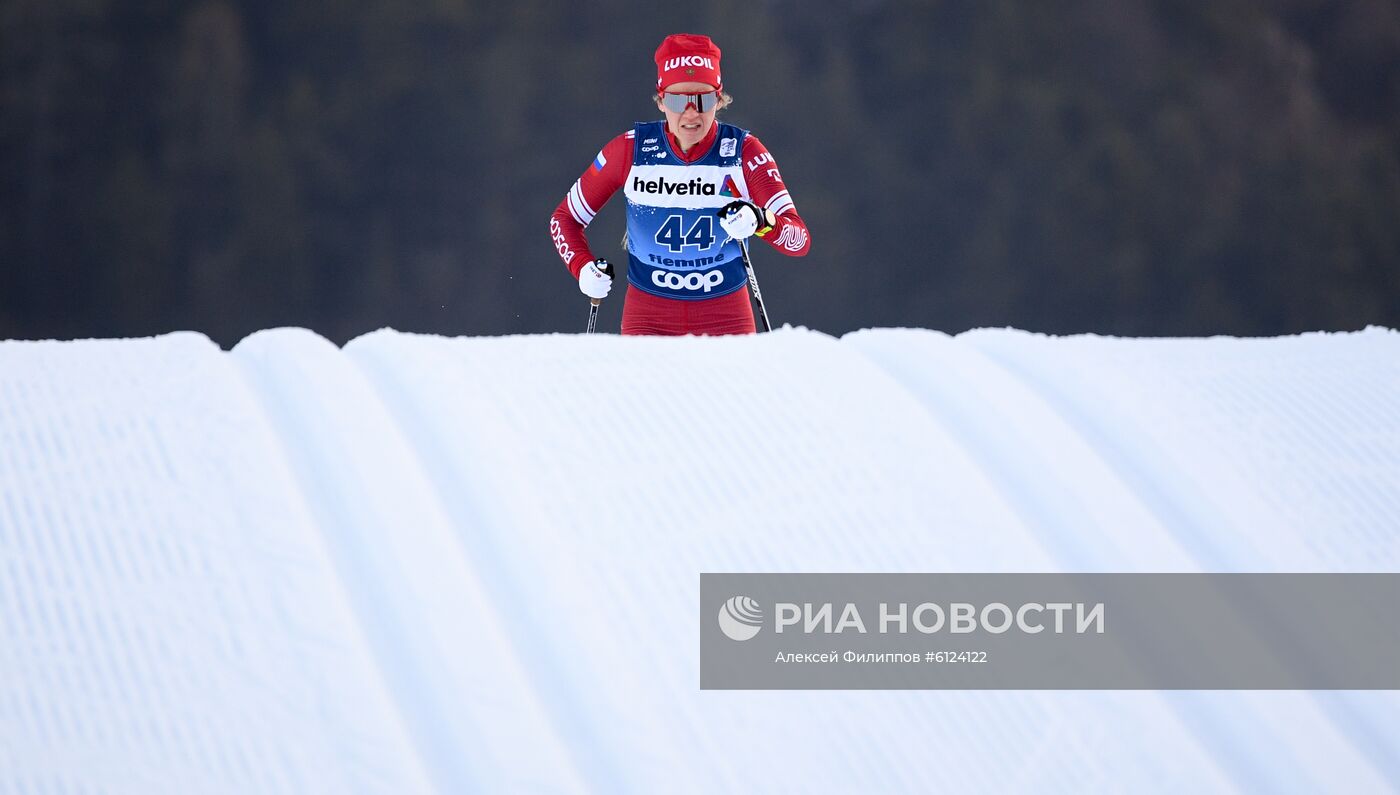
472,564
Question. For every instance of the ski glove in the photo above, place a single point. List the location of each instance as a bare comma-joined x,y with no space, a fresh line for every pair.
740,219
595,280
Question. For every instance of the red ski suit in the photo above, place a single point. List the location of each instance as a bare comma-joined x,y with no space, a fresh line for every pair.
642,312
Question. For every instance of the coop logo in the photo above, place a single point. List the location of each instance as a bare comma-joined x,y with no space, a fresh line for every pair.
740,618
688,60
704,282
663,186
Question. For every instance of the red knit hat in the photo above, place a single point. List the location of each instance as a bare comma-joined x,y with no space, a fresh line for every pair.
687,58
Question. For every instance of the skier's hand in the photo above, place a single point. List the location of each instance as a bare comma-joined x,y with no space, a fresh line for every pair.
740,219
595,280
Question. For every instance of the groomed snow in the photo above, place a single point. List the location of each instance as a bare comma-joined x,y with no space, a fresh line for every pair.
423,563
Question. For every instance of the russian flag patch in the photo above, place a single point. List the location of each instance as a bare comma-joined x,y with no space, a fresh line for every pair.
599,162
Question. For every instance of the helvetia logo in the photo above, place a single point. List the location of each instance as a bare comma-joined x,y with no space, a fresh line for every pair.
740,618
663,186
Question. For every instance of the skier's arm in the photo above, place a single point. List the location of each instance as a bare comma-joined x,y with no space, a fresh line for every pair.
590,192
766,189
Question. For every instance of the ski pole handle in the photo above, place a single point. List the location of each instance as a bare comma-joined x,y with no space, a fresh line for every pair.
594,303
607,269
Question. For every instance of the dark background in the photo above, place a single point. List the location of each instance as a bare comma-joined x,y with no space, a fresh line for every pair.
1116,166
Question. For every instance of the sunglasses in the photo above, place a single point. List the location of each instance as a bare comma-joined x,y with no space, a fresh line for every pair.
677,103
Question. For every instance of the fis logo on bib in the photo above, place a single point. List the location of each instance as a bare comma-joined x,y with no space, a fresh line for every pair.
664,187
703,282
727,147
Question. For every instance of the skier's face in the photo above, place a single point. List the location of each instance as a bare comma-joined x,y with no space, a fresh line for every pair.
690,126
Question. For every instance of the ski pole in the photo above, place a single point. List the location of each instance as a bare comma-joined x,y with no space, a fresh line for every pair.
753,285
594,303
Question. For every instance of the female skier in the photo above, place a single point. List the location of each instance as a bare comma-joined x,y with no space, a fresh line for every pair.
695,188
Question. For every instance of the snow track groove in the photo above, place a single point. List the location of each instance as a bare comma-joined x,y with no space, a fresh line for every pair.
1028,449
1212,433
405,563
168,618
421,563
